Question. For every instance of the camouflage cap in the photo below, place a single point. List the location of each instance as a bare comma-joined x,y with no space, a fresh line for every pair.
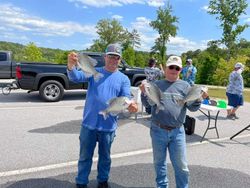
113,49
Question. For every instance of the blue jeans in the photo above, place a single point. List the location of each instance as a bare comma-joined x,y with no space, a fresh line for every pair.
88,140
175,142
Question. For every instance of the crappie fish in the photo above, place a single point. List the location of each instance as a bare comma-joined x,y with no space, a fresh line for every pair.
155,95
194,94
115,106
87,64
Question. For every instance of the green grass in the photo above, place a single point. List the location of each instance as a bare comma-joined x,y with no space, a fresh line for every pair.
220,93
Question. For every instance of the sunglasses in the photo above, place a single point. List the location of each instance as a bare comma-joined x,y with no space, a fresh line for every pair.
171,67
115,57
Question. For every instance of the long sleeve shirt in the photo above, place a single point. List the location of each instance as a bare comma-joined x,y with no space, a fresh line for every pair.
174,113
236,84
112,84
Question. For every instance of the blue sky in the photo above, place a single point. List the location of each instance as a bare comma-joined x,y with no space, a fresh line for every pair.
70,24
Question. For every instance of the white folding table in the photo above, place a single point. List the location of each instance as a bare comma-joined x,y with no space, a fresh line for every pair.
206,110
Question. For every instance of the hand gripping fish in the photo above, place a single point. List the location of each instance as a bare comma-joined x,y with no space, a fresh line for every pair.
87,64
115,106
155,95
194,94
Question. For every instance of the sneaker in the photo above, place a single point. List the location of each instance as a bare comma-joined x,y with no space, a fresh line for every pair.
232,117
103,185
81,186
236,117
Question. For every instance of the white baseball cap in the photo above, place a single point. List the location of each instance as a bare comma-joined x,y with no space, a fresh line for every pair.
174,60
239,65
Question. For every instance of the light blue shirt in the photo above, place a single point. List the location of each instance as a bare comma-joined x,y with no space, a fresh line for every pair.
235,85
189,73
111,85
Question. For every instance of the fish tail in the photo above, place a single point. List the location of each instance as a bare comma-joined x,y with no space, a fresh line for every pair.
158,108
98,76
104,114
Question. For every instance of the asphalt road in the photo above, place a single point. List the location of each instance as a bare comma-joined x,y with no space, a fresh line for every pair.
39,147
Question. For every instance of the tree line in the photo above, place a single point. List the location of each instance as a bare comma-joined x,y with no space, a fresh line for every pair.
214,64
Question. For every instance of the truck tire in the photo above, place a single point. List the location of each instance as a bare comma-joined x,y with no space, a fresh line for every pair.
51,91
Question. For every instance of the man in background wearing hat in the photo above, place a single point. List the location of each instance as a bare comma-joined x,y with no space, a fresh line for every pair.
152,73
235,90
167,130
189,72
94,127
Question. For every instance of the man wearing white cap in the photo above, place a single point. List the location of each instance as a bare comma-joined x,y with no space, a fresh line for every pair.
167,130
235,90
94,127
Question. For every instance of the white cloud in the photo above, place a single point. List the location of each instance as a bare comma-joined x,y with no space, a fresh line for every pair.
117,17
205,8
12,17
176,45
142,24
156,3
115,3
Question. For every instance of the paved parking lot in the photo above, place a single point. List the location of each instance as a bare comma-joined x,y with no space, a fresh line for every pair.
39,147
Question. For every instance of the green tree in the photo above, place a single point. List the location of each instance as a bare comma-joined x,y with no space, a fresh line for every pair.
206,65
109,31
32,53
246,73
61,57
165,25
134,38
129,56
228,12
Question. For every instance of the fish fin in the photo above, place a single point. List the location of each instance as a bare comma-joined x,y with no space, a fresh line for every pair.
110,101
92,61
180,102
104,114
127,102
114,113
157,110
98,76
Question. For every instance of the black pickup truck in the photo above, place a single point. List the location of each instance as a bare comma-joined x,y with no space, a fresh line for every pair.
7,66
51,79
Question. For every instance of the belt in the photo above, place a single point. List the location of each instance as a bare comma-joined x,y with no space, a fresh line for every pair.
166,127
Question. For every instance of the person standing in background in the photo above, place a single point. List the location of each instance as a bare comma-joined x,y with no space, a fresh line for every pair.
95,129
189,72
235,90
152,73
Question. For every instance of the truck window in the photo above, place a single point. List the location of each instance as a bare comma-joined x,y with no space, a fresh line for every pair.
3,56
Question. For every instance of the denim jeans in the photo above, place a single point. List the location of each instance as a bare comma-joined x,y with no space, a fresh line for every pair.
88,140
175,142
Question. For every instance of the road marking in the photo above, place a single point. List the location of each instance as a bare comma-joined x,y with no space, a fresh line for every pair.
37,107
114,156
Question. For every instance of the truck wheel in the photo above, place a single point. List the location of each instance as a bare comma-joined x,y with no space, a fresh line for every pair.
138,83
51,91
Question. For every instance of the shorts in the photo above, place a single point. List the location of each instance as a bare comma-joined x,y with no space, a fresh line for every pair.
234,100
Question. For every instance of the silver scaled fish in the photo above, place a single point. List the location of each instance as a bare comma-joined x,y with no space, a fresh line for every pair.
115,106
87,65
155,95
193,94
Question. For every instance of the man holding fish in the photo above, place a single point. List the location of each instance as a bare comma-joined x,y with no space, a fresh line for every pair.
170,98
108,94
